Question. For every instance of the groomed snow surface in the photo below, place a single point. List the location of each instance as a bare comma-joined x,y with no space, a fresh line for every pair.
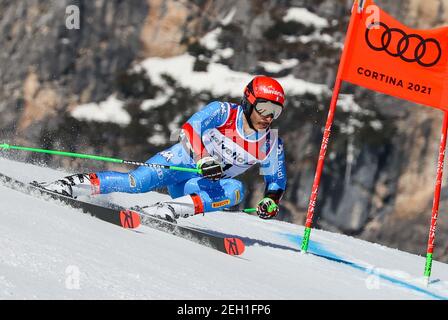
49,251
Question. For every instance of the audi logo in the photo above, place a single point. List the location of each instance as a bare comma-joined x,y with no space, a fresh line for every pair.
408,47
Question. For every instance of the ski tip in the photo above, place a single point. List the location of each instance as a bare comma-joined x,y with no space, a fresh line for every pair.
234,246
129,219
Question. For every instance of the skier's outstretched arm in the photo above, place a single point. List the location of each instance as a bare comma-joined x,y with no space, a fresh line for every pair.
274,173
211,116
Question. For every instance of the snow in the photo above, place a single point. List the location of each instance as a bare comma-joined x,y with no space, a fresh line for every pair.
219,79
157,139
347,103
325,38
225,53
376,125
50,251
110,110
274,67
210,40
229,17
176,123
315,36
305,17
308,18
160,100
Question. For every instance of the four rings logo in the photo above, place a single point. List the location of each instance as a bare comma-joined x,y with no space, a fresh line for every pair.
409,47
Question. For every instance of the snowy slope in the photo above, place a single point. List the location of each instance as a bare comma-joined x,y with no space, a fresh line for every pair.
49,251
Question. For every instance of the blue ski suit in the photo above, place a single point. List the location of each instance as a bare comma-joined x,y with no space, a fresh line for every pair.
216,130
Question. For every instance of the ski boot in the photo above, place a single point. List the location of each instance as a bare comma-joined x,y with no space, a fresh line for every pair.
170,210
72,186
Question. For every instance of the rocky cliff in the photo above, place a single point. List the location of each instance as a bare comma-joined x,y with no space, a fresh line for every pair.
379,176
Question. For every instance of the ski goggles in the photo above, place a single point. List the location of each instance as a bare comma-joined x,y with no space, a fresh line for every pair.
268,108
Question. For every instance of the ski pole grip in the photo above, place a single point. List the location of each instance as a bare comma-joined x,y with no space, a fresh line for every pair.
250,210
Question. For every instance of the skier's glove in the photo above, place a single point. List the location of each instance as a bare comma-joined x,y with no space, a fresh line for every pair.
210,168
267,208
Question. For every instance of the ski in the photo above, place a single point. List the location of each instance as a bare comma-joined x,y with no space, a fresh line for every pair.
230,245
124,218
131,219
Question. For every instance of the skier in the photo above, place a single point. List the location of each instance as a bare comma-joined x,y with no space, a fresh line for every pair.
223,140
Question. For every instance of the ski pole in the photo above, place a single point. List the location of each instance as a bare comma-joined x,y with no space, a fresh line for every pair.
5,146
247,210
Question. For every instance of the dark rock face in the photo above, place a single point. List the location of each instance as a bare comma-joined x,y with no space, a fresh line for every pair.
378,178
68,66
